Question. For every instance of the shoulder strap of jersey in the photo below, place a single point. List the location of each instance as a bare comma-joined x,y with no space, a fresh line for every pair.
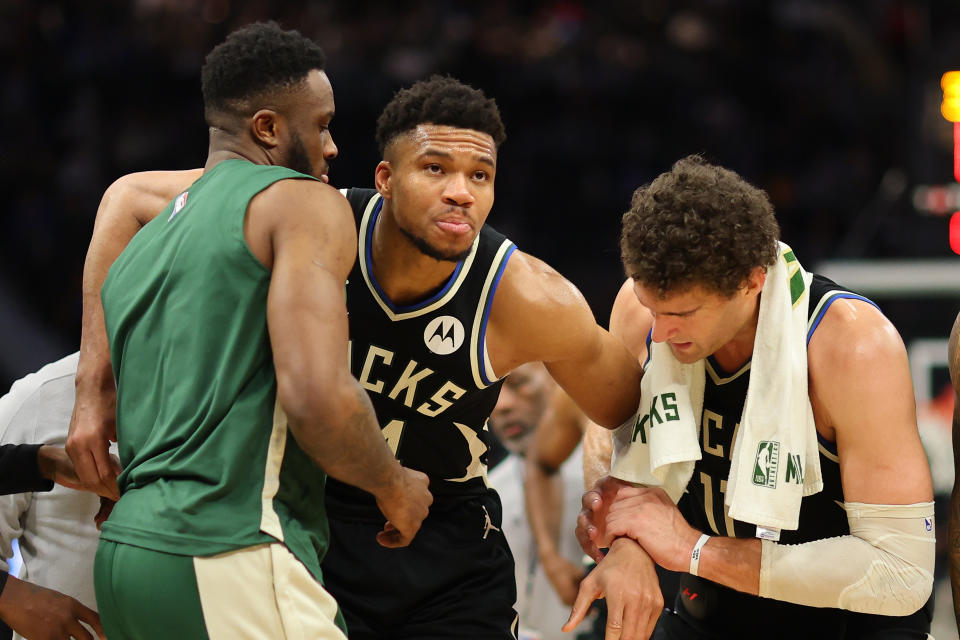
823,293
493,251
359,199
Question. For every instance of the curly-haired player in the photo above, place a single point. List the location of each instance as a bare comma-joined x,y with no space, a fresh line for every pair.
821,527
441,308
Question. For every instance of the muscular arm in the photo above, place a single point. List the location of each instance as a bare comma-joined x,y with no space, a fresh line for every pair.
558,329
555,438
127,205
630,322
328,412
953,537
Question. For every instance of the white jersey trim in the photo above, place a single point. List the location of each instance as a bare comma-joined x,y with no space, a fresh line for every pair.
720,380
478,342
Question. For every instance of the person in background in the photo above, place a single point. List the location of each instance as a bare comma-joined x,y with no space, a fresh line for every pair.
541,537
54,524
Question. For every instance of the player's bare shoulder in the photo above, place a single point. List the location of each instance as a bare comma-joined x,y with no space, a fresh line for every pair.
536,314
303,212
146,193
630,321
531,285
852,337
309,203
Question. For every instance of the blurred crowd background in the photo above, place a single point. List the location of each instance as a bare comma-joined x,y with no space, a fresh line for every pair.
832,107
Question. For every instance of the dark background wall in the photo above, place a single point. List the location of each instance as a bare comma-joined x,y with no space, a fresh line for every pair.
831,107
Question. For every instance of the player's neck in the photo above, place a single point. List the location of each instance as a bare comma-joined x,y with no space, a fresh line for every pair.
405,274
224,146
735,353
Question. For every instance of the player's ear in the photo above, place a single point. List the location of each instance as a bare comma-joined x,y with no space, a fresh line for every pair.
266,128
381,178
755,281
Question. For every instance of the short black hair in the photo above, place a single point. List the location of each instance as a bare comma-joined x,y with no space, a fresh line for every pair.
440,100
253,61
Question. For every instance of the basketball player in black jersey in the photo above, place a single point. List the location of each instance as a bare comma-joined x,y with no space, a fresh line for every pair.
697,243
441,308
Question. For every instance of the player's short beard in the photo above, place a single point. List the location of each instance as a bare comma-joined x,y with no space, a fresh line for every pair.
297,158
432,252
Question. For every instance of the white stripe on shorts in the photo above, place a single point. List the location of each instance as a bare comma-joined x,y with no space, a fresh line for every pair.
263,593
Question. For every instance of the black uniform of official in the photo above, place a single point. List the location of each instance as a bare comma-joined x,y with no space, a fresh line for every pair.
704,609
426,370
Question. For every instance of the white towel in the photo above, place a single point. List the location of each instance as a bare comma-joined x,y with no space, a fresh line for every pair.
775,459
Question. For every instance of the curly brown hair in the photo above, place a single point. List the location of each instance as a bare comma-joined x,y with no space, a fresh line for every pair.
697,224
440,100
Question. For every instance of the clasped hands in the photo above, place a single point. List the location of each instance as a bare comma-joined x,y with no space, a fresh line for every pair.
641,526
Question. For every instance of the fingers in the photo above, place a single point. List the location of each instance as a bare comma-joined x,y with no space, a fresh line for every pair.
95,468
393,538
614,628
586,533
81,612
91,618
106,507
588,592
76,631
107,472
591,500
85,465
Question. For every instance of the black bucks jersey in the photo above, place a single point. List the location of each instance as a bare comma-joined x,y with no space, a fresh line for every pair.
720,612
425,366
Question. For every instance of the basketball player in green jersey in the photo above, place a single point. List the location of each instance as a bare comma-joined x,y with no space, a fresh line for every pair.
228,340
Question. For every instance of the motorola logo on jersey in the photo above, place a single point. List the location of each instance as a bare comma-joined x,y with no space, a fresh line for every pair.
444,335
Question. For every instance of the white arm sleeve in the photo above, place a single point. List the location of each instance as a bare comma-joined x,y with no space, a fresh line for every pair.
885,565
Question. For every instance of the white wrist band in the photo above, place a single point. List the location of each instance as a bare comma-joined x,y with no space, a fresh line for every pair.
695,554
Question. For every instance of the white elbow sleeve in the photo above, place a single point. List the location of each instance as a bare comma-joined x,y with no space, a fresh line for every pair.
885,565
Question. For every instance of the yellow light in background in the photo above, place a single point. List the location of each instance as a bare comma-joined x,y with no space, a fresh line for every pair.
950,82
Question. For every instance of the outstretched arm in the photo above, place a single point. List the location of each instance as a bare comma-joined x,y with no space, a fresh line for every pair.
559,329
953,537
127,205
555,438
328,412
630,322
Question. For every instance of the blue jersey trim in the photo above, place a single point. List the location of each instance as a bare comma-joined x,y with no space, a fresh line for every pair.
649,342
851,296
486,314
826,444
368,242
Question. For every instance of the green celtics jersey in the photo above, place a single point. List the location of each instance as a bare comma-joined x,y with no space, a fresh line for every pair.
208,463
